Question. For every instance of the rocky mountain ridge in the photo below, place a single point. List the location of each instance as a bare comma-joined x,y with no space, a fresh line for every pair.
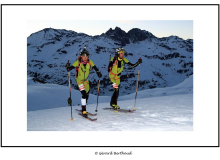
166,61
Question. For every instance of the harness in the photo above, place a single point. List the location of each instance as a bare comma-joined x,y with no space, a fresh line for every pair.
83,87
78,70
113,73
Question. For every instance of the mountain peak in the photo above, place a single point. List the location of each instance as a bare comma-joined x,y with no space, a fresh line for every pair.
135,29
119,35
118,28
47,29
136,34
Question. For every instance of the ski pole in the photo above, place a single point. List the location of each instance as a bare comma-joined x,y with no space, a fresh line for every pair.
117,87
137,87
98,96
109,62
70,97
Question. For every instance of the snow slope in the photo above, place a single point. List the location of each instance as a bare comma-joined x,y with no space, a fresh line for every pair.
167,109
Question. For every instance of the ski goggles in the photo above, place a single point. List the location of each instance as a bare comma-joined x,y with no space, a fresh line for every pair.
85,55
121,52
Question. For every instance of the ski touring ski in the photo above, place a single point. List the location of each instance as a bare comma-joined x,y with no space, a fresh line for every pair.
120,110
86,117
91,114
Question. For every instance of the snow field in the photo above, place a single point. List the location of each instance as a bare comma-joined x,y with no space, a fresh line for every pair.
172,111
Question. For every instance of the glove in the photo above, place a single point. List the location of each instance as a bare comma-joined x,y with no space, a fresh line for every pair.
67,64
69,68
139,60
99,74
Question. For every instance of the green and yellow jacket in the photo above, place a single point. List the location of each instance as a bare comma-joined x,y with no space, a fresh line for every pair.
119,64
116,66
82,70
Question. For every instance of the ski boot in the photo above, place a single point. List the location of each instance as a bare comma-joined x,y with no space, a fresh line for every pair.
115,107
84,114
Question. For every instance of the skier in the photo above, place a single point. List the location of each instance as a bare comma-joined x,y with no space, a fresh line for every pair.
83,65
115,68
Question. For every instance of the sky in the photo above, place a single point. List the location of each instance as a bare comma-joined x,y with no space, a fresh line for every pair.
159,28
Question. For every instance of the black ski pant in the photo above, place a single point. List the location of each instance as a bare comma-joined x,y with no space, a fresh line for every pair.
115,96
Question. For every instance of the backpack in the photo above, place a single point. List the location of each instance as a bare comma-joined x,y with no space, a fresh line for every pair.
111,64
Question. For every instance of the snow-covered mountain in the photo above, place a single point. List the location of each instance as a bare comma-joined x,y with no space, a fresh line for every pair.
166,61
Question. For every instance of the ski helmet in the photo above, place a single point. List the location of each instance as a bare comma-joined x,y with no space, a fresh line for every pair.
84,52
120,50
